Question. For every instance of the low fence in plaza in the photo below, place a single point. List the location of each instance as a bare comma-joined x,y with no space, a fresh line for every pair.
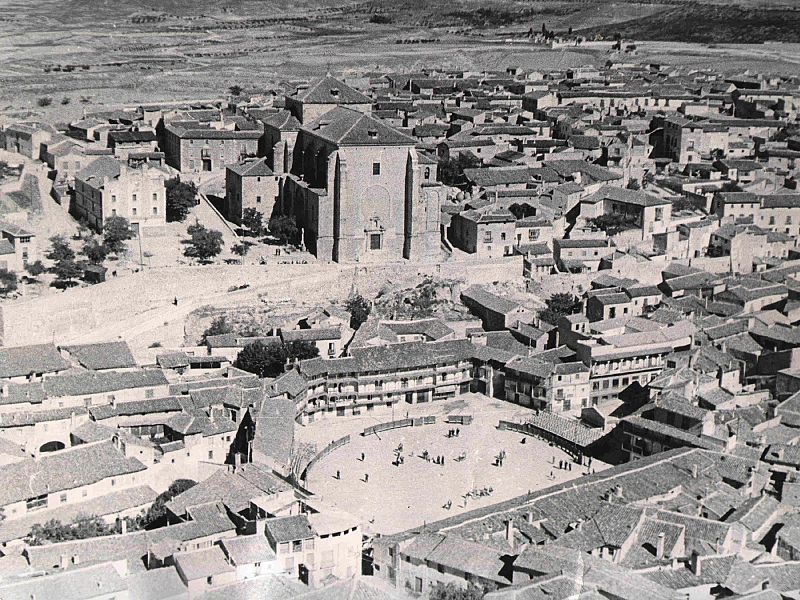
334,445
389,425
459,419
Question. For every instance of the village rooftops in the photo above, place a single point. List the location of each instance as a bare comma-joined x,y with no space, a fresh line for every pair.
248,549
200,564
481,296
626,196
97,382
63,470
97,581
104,355
346,127
19,361
252,168
282,120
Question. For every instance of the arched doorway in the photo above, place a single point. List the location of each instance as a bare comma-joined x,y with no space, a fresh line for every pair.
51,446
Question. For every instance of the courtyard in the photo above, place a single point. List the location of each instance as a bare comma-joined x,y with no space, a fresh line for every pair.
389,496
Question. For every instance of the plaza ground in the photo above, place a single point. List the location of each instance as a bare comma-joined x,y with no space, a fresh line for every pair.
397,498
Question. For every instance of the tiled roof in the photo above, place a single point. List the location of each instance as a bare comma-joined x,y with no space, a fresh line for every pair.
287,529
104,355
21,361
252,168
487,299
98,382
328,90
346,127
63,470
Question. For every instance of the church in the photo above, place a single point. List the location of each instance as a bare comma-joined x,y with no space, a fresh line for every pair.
358,188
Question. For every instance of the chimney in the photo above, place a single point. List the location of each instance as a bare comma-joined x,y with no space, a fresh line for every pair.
237,460
579,524
510,532
62,561
76,559
660,546
696,564
619,491
5,389
694,471
529,517
123,526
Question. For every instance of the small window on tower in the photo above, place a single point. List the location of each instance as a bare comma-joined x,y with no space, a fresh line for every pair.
376,168
375,241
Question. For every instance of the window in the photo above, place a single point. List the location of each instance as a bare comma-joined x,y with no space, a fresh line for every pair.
113,212
258,199
209,580
133,211
155,197
297,546
376,168
134,198
659,214
772,220
283,547
503,236
427,173
113,482
36,502
210,455
375,241
155,210
487,237
113,198
63,497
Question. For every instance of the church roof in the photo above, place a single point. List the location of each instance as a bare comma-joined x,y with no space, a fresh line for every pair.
346,127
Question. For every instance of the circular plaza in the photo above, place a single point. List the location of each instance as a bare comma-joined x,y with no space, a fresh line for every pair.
401,478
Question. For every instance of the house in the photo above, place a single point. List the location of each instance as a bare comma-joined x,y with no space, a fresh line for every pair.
496,313
108,188
201,570
487,232
580,255
18,247
250,184
322,95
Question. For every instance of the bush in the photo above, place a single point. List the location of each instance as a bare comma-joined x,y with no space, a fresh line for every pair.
269,360
8,282
380,19
65,100
219,326
254,221
156,514
559,305
81,528
44,101
451,171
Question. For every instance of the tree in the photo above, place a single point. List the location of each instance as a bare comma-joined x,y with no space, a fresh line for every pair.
648,179
65,100
95,252
451,170
559,305
235,90
204,244
181,198
81,528
44,101
8,282
359,309
254,221
64,266
219,326
264,360
301,350
284,227
116,231
35,269
157,512
633,184
452,591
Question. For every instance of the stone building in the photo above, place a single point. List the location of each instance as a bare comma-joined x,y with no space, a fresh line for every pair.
358,191
109,188
249,184
322,95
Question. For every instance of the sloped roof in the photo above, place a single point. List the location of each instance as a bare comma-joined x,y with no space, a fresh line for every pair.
104,355
346,127
19,361
328,90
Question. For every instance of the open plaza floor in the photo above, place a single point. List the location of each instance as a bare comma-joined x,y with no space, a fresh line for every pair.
391,495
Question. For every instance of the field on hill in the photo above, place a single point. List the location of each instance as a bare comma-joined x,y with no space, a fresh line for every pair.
84,53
